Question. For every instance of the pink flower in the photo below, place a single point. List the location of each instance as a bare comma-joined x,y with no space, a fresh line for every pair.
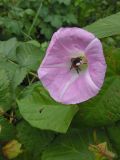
74,67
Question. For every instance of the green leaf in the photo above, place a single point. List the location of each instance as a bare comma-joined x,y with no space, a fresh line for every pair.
18,59
18,75
47,31
70,19
74,145
34,43
5,93
105,27
12,25
7,130
103,109
8,62
112,56
28,55
41,111
25,156
29,12
33,139
1,157
66,2
8,48
15,73
114,135
55,20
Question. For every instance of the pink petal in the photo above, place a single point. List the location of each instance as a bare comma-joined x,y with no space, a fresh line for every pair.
67,86
82,89
96,62
68,41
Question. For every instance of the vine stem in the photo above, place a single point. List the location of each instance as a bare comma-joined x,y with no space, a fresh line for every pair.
95,136
35,19
35,75
26,35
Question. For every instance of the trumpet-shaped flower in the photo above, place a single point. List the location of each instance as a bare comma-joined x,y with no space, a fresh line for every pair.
74,67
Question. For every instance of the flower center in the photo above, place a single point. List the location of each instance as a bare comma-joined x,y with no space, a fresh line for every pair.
78,63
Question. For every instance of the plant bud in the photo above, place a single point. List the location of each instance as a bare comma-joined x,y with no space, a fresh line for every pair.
12,149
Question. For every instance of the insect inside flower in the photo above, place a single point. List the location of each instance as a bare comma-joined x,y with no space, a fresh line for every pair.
77,63
74,67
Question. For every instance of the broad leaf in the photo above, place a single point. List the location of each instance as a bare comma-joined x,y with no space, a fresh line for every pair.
29,55
33,139
66,2
55,20
112,56
18,58
5,93
8,59
74,145
15,73
41,111
106,27
7,130
8,48
114,135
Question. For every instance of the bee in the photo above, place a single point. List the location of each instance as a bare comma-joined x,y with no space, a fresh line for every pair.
76,63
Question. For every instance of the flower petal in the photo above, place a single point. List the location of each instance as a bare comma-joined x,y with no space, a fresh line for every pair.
96,62
54,80
69,41
70,89
65,85
82,89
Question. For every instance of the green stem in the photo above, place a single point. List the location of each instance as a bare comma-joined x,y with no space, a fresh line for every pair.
32,80
11,61
35,19
33,74
95,136
26,35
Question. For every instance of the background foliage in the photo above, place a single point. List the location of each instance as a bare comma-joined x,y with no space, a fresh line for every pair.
18,15
43,127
